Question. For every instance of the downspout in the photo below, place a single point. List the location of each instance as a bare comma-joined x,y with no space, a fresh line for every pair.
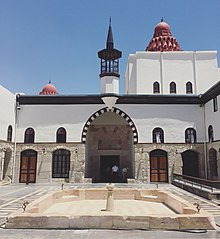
161,71
205,143
17,107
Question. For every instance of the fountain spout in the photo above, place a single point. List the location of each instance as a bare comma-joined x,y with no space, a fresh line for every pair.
110,198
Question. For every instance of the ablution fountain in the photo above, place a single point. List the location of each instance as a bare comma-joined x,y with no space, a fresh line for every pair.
111,208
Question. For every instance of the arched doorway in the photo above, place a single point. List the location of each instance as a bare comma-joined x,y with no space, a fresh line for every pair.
212,165
28,166
190,163
158,166
109,136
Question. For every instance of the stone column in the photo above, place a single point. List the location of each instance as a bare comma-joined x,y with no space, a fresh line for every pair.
2,157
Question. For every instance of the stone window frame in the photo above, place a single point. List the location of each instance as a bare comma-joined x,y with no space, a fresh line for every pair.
156,87
158,131
29,135
215,104
190,136
210,134
9,133
172,87
189,89
61,135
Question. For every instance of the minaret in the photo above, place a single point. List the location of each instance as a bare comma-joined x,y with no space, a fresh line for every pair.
109,76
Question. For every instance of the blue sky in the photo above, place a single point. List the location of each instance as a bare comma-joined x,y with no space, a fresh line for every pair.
58,40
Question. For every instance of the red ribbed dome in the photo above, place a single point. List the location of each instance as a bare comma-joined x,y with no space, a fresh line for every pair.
163,39
49,89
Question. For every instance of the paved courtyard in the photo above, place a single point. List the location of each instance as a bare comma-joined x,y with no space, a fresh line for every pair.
13,196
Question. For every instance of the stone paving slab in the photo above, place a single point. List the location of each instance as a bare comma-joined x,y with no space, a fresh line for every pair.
97,207
96,234
106,234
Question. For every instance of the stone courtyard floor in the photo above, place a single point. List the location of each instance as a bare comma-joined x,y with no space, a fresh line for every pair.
97,207
13,196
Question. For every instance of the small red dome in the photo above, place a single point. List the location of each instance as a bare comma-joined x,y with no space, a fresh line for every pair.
49,89
162,39
162,26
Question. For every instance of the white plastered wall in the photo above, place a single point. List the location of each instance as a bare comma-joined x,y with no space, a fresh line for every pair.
46,119
7,112
109,84
173,119
213,118
144,68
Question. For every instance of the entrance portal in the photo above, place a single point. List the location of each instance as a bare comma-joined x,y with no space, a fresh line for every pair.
110,137
28,166
158,166
106,164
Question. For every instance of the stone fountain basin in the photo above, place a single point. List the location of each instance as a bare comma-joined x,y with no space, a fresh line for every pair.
133,209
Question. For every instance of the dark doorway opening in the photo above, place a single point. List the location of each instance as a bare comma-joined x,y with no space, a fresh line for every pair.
190,163
106,164
212,165
158,166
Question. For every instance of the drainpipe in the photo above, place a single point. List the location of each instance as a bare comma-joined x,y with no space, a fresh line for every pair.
161,71
17,107
205,144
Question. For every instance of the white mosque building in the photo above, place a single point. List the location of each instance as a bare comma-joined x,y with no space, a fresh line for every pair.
165,123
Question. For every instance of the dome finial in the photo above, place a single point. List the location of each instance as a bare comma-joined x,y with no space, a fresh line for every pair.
161,19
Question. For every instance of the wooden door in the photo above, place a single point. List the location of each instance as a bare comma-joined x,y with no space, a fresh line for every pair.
28,168
158,169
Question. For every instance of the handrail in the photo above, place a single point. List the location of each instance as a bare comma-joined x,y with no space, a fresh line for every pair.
199,182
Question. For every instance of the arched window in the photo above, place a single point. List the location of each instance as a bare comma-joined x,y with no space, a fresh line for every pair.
156,87
61,135
158,136
61,163
29,136
172,87
190,136
189,89
9,135
210,134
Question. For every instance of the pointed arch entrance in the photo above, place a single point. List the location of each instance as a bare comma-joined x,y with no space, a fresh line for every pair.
158,166
190,160
28,166
109,136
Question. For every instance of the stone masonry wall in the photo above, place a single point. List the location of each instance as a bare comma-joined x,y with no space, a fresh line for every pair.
142,159
44,161
77,160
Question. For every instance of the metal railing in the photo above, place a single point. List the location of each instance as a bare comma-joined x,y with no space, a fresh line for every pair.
200,183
